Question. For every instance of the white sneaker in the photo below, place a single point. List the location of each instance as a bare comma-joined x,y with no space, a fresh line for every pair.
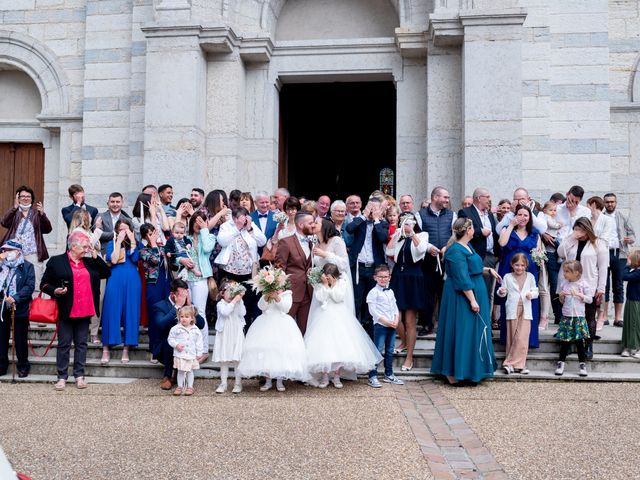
222,388
560,370
237,387
336,381
636,355
625,353
583,370
267,386
324,381
374,382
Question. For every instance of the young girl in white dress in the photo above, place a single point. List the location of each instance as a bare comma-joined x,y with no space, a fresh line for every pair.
335,340
273,347
227,347
186,340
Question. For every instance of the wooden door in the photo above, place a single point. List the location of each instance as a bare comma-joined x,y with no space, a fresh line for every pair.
21,164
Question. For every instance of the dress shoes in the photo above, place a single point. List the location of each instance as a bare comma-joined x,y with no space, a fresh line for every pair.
165,384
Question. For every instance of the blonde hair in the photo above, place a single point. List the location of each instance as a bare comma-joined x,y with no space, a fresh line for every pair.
189,311
459,228
634,259
520,257
573,266
81,219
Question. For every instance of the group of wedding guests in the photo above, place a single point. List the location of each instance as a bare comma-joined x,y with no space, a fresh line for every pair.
388,265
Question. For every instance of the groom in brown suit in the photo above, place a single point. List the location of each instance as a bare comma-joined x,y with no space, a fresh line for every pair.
294,257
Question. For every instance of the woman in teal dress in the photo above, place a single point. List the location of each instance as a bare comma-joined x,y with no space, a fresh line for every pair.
464,350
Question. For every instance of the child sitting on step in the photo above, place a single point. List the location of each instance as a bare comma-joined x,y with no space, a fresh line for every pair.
186,340
574,293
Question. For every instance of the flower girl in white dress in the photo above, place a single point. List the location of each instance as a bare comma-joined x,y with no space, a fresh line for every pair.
273,347
335,340
227,348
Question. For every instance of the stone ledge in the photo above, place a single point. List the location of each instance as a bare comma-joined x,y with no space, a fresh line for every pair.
625,107
216,40
411,43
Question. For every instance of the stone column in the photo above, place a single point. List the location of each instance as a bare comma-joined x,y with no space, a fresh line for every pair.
492,100
174,139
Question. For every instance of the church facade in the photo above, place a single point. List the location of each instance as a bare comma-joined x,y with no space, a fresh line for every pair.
116,94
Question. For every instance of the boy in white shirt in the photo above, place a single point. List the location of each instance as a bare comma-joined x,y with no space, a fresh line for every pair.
384,310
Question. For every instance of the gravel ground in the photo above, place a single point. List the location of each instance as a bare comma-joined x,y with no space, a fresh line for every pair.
559,431
137,431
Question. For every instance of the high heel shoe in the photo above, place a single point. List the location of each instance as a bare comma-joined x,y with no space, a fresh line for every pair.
406,368
125,355
105,357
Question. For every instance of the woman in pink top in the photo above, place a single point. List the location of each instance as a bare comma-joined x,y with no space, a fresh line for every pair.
74,281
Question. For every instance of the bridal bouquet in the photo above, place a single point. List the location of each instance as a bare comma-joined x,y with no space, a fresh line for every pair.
281,217
539,256
270,280
237,289
314,275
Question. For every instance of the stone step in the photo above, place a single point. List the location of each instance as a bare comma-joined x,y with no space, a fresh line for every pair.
547,345
36,378
141,352
602,363
570,375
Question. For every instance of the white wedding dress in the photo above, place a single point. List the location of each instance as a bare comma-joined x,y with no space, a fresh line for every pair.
274,346
335,339
336,253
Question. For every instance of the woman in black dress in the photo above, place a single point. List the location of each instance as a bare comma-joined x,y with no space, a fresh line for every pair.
409,245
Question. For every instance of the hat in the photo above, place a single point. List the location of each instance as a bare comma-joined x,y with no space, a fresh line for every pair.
11,245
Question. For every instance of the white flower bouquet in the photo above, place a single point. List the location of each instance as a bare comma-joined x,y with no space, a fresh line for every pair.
270,280
314,275
539,256
281,217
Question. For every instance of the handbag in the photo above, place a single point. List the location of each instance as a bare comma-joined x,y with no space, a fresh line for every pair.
269,254
43,310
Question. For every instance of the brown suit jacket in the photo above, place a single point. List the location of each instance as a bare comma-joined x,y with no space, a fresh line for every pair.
291,258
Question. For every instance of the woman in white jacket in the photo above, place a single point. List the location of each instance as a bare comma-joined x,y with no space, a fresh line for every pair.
520,288
240,239
409,245
186,340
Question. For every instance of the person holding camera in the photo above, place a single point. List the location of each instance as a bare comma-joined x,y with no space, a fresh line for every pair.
17,282
370,231
409,245
74,281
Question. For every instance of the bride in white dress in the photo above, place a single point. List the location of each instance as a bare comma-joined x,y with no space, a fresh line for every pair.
331,249
335,340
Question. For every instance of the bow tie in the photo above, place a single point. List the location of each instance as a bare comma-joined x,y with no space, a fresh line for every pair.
386,288
263,215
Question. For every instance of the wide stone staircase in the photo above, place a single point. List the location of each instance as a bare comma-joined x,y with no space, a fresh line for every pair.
607,364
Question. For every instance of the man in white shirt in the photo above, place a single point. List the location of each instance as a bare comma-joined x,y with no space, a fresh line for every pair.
107,220
570,211
521,197
625,236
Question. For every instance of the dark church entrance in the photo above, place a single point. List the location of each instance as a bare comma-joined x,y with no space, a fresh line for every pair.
336,138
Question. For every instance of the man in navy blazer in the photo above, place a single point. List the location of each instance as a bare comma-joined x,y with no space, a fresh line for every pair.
165,316
370,233
76,193
485,238
263,217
